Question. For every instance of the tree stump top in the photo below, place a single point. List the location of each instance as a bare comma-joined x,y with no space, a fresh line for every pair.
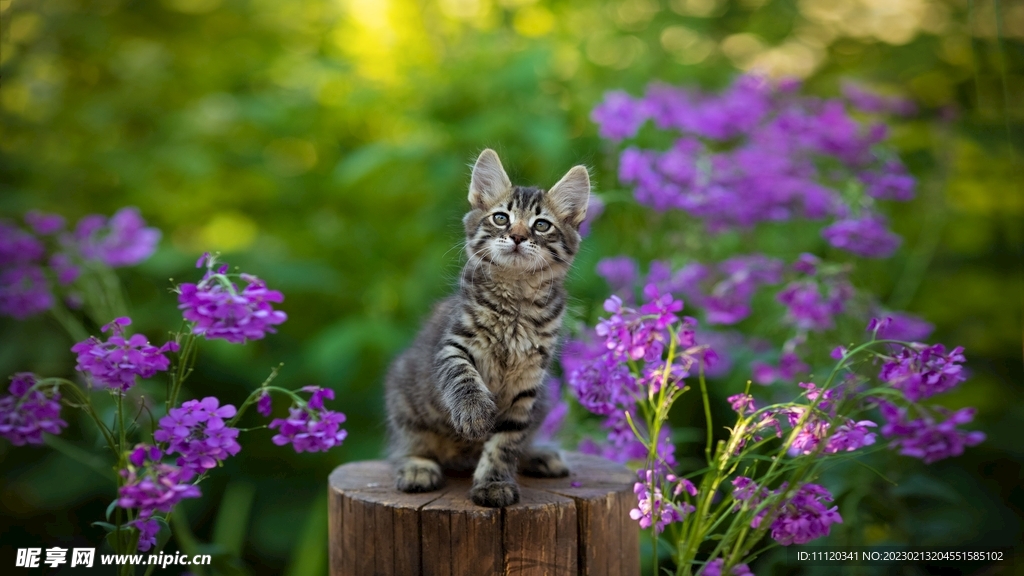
560,527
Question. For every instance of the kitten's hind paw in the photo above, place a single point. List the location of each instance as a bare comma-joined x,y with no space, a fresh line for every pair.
495,494
419,475
543,464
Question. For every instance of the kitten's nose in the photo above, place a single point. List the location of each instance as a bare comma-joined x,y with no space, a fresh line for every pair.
517,238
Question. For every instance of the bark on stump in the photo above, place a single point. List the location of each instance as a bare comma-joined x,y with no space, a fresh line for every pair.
571,526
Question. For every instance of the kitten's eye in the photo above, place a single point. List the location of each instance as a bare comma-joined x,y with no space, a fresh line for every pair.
542,225
500,219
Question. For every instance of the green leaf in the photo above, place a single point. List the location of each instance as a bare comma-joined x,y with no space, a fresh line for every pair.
164,535
309,555
105,525
232,522
110,508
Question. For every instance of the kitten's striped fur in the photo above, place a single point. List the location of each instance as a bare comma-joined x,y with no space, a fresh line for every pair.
469,393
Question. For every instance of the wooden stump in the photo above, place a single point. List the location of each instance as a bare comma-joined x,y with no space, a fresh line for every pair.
571,526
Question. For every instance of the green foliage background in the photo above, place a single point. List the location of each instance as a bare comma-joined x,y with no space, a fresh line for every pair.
323,145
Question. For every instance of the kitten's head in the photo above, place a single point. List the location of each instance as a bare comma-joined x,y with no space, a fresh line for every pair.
523,229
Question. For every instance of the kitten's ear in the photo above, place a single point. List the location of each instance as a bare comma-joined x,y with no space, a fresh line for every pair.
489,183
570,196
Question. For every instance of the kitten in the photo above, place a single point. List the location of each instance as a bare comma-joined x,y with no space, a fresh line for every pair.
469,393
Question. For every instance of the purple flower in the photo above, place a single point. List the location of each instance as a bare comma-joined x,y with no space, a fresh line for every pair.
620,272
26,413
24,291
553,421
805,516
18,246
789,366
601,384
755,152
867,236
747,491
220,310
867,101
148,530
310,427
922,371
151,486
847,437
594,210
124,240
632,335
619,116
64,269
556,415
851,436
901,326
742,403
197,432
653,508
118,361
264,405
714,568
890,183
722,345
729,300
925,438
43,223
808,309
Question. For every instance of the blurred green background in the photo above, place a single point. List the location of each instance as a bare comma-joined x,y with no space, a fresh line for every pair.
323,146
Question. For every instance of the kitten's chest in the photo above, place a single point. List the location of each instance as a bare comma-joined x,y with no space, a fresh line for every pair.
512,352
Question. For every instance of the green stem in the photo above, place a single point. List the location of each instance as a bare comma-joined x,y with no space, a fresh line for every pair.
707,414
265,387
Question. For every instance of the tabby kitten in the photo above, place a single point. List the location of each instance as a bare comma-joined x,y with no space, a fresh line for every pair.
469,392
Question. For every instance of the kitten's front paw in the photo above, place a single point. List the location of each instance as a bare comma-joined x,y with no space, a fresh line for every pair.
419,475
543,464
474,418
495,494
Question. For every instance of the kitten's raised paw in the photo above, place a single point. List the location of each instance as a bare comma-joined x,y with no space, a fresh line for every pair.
543,464
495,494
419,475
474,417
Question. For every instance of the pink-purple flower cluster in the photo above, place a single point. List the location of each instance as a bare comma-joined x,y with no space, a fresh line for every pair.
714,568
921,371
28,411
152,486
901,326
197,433
868,236
219,309
598,373
757,152
800,519
659,506
805,516
808,309
29,259
924,437
872,102
726,289
789,366
117,362
122,240
310,427
24,290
